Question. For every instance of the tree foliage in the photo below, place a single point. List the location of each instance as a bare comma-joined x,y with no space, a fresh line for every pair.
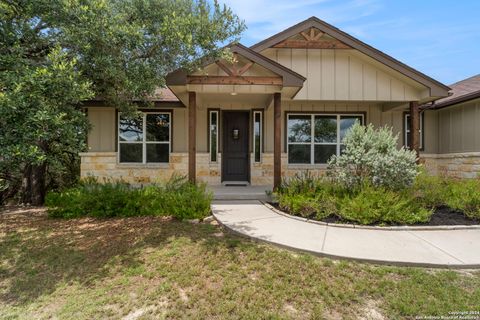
56,53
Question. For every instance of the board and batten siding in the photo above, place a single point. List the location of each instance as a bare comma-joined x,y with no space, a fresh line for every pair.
342,74
102,136
458,129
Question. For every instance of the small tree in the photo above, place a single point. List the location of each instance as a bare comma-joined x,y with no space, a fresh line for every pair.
371,156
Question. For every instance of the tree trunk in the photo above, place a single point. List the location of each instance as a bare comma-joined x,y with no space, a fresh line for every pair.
34,184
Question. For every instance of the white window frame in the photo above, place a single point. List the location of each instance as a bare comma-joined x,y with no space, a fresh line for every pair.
406,120
312,142
210,113
261,135
144,141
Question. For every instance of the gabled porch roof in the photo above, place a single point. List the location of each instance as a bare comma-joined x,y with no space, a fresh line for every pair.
257,75
289,77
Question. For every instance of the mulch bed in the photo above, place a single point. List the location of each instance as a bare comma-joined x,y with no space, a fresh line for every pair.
442,216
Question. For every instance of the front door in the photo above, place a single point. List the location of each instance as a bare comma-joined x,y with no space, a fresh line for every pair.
235,159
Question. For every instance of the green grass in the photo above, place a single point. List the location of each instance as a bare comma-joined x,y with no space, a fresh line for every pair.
154,267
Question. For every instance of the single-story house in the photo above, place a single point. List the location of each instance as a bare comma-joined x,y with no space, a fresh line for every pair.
281,107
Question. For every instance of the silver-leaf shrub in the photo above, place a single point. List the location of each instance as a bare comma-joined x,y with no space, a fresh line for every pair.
371,156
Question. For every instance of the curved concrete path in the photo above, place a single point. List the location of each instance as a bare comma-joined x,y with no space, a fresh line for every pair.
428,248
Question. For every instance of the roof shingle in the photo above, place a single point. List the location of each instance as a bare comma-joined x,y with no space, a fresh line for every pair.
461,91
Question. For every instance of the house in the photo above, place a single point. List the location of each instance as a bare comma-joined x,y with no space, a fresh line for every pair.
281,107
452,138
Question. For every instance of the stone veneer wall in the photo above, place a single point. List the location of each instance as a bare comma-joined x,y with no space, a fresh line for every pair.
103,165
458,165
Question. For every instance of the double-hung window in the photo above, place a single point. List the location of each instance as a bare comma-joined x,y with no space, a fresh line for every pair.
145,139
406,130
314,138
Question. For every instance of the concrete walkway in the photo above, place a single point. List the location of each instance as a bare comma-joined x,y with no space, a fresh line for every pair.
432,248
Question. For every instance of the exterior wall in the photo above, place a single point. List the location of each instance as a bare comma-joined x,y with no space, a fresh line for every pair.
101,137
454,149
457,165
103,163
104,166
343,74
458,128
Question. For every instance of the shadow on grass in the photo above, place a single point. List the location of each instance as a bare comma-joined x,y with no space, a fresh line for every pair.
38,253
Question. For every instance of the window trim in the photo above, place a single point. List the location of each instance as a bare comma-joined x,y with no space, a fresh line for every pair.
209,144
144,141
406,114
260,112
312,143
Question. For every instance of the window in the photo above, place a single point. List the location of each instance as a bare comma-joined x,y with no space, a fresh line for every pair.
406,130
314,138
257,135
213,135
145,139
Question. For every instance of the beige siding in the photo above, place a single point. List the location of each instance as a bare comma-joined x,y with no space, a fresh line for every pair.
430,128
180,130
339,74
101,137
458,129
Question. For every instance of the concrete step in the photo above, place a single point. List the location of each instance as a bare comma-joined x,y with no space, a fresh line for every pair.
241,192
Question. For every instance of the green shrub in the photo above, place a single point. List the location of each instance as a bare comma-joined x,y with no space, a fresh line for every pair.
178,198
308,196
371,205
431,191
464,195
371,156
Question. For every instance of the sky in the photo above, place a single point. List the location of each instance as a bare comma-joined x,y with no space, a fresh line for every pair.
437,37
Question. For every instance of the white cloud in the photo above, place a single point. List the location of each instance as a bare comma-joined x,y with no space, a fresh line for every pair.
267,17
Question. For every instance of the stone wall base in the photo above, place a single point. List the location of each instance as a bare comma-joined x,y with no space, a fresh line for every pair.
457,165
104,167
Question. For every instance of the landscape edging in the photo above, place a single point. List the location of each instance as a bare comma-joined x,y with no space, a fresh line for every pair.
386,228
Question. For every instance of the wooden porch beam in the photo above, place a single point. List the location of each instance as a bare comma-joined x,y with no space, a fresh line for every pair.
192,149
240,80
415,128
277,140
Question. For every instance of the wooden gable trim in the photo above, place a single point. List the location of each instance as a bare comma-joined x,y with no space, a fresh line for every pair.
312,44
312,39
231,80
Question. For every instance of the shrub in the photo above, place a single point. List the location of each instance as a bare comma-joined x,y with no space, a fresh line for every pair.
464,195
371,205
371,156
318,207
178,198
431,191
308,196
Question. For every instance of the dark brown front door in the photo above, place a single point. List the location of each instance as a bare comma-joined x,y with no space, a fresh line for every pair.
235,160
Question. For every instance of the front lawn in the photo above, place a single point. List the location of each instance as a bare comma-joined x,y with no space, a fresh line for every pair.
156,267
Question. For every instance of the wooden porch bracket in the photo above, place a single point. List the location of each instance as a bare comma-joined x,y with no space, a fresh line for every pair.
415,128
192,149
277,140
